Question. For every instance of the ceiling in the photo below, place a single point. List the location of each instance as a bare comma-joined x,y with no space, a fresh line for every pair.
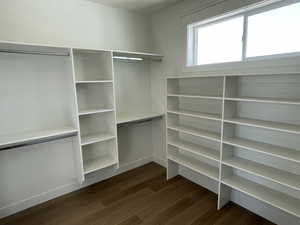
144,6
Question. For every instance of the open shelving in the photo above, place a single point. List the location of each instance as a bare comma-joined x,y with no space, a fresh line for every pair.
94,83
124,118
259,131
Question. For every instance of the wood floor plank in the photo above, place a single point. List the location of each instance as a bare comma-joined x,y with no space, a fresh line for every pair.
141,196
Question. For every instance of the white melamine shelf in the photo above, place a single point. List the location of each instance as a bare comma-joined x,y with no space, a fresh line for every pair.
93,165
93,81
196,96
94,111
265,100
95,138
270,173
132,117
190,113
283,127
274,198
196,132
276,151
36,137
195,165
196,149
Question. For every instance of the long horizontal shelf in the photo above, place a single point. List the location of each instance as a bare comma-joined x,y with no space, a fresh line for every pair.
265,100
283,127
196,132
279,176
30,138
196,149
277,199
143,55
93,81
196,96
98,164
195,165
190,113
277,151
95,138
140,117
94,111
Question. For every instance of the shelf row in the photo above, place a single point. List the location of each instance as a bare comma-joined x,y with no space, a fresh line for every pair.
261,192
240,99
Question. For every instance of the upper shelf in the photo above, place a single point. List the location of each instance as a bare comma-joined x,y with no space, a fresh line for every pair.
24,139
131,117
143,55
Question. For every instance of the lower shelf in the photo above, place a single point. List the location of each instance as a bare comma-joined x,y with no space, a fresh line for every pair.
195,165
93,165
274,198
94,138
131,118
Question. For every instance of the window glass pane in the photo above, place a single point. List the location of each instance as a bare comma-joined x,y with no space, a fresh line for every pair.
274,32
221,42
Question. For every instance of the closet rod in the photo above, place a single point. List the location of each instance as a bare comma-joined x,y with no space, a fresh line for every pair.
33,52
38,141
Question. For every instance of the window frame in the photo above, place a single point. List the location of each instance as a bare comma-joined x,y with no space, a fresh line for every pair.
192,41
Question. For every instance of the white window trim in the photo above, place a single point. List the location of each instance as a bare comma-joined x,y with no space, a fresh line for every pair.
245,12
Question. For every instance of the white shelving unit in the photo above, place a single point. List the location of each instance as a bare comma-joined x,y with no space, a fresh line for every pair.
252,123
94,81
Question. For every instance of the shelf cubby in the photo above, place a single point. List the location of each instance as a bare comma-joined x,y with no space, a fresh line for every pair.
92,65
194,162
204,88
95,97
99,156
199,108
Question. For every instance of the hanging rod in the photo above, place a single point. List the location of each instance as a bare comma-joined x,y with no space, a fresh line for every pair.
38,140
33,52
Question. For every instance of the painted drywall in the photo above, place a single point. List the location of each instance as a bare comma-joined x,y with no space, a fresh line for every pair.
169,38
77,23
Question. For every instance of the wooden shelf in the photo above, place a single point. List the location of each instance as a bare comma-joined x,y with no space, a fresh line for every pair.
94,138
196,132
283,127
196,149
98,164
266,100
195,165
93,81
270,173
196,96
276,151
132,118
274,198
94,111
30,138
190,113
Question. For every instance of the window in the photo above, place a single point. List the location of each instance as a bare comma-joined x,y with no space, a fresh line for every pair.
256,32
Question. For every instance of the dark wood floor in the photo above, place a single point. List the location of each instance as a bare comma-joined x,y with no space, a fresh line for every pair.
141,196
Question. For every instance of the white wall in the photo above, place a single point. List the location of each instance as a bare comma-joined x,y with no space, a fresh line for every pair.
40,172
169,38
77,23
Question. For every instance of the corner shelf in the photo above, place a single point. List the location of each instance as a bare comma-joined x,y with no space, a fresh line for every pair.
30,138
196,132
195,165
94,111
283,127
268,149
96,164
275,198
190,113
196,149
270,173
133,118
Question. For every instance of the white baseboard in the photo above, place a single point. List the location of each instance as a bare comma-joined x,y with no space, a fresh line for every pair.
70,187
